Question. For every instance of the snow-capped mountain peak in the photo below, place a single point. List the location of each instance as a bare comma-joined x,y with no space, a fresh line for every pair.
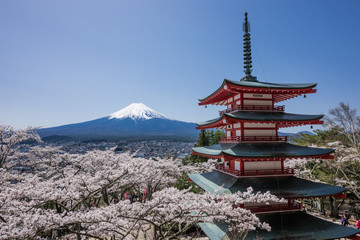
136,111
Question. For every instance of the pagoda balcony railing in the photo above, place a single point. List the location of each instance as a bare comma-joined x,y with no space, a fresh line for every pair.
274,208
277,108
235,139
228,170
250,173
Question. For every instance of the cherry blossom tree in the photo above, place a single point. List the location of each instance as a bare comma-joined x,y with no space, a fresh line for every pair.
344,118
343,134
9,138
83,195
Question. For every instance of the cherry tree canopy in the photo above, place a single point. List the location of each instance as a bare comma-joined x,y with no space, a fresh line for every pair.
83,195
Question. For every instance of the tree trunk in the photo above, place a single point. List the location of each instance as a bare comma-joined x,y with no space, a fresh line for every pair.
320,206
334,209
155,233
105,196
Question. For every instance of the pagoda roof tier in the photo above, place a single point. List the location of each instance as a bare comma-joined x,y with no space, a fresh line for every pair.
284,187
280,118
262,151
295,225
281,91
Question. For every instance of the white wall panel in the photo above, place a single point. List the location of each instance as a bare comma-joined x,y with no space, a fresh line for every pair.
262,132
262,165
237,165
257,95
258,102
259,125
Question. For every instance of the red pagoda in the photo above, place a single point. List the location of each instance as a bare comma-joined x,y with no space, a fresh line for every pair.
253,154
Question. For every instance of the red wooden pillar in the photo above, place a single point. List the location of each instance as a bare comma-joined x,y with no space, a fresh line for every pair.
242,100
232,164
242,130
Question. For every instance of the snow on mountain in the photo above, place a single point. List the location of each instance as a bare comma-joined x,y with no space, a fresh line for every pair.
136,111
136,121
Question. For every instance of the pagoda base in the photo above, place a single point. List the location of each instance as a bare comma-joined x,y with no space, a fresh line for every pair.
297,225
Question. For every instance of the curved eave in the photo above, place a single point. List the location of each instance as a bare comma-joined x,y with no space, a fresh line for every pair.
220,90
282,119
264,151
282,91
282,187
296,225
267,85
228,156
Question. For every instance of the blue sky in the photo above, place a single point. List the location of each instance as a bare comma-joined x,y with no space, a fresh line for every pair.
70,61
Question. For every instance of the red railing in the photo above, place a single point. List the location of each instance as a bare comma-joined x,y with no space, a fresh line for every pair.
253,138
268,172
224,169
248,173
276,207
254,108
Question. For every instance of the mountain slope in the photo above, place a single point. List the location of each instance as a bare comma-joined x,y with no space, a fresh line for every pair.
135,121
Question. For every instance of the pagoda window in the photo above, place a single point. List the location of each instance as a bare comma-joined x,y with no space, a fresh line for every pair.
228,133
226,164
230,100
237,97
236,125
238,102
238,133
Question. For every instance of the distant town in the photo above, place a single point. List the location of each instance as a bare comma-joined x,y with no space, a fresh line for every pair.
145,149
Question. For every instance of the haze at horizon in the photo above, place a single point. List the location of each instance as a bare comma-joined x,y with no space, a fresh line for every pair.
66,62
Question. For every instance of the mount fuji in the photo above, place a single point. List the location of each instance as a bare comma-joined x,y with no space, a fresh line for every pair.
136,121
137,111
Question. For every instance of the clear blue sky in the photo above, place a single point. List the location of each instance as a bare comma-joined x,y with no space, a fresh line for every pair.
70,61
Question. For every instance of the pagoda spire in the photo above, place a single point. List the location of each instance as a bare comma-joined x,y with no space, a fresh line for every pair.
247,52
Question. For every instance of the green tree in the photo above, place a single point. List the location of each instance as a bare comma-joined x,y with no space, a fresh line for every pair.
321,137
213,136
206,138
203,139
